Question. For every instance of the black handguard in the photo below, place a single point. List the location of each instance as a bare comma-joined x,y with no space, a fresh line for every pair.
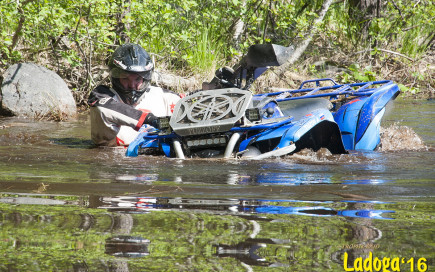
152,120
160,123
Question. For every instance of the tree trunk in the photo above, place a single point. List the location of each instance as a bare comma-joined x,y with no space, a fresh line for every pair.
300,49
121,28
361,13
20,24
238,28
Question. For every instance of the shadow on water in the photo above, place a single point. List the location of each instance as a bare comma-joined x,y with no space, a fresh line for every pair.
73,142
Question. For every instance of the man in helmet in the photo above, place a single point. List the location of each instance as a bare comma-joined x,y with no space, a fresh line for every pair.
117,113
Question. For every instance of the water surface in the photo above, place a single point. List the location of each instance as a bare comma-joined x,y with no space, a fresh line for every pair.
68,206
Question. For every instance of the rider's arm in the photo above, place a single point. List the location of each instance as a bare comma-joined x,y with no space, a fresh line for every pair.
117,112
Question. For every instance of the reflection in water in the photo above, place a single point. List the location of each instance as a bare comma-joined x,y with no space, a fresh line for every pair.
366,181
234,206
292,178
276,178
246,251
127,246
142,178
240,233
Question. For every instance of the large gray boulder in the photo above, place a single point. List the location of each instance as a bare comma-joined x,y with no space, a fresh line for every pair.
34,91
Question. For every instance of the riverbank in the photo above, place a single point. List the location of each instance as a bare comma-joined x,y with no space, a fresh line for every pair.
415,77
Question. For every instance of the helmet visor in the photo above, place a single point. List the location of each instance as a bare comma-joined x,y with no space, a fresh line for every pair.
119,73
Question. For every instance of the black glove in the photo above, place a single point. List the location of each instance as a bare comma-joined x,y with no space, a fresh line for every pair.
152,120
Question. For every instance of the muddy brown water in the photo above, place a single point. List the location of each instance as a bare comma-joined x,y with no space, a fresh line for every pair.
68,206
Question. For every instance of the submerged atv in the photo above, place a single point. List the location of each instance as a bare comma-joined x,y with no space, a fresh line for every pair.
227,120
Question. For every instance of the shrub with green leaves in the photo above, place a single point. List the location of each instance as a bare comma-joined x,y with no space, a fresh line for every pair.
75,38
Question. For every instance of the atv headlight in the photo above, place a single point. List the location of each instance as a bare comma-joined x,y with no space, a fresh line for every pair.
212,141
253,114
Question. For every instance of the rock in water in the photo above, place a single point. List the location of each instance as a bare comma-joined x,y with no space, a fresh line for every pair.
34,91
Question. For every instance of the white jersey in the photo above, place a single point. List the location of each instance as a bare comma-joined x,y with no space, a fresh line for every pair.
115,123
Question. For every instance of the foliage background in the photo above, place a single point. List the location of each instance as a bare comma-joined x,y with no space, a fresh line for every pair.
191,38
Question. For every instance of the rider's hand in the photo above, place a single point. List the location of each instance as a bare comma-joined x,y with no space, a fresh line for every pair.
152,120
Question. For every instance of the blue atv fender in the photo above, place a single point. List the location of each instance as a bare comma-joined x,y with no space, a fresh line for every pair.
300,132
368,111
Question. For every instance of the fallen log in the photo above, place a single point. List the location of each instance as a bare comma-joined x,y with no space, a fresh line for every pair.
175,83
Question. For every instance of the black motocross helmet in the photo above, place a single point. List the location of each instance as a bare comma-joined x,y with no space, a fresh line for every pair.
130,58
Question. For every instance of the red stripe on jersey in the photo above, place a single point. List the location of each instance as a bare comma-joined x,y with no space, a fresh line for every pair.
119,142
141,119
